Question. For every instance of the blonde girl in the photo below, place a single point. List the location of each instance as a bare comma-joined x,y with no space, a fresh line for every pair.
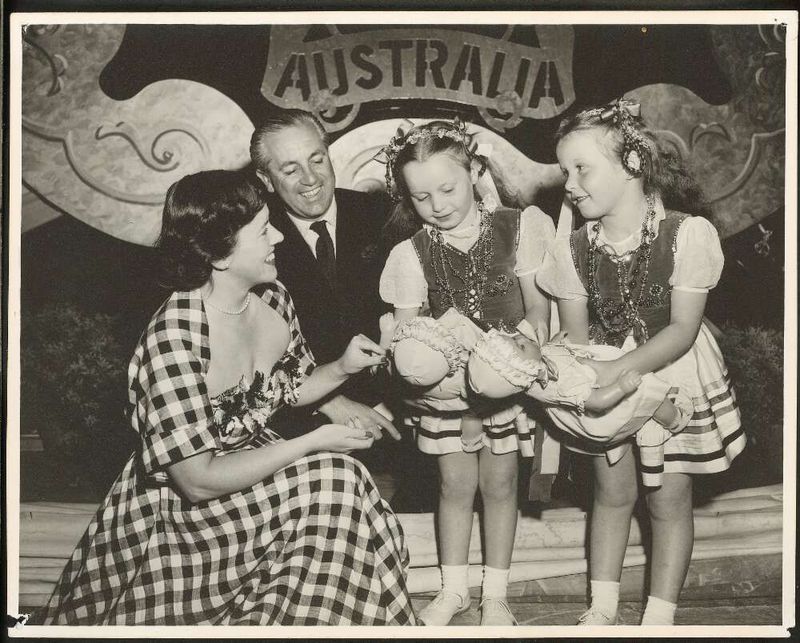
481,261
636,275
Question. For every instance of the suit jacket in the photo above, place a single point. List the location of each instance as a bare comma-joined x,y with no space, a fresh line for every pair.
330,317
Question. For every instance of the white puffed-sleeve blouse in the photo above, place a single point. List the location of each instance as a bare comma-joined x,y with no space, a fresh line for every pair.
403,284
698,259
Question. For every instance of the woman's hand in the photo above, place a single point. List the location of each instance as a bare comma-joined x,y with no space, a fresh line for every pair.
361,353
341,438
340,409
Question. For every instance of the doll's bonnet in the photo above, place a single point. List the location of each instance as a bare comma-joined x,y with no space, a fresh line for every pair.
426,350
496,369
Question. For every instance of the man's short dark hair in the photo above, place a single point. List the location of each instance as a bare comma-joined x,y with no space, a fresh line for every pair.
276,122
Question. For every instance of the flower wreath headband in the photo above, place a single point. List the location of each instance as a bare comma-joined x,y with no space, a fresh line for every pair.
456,131
636,148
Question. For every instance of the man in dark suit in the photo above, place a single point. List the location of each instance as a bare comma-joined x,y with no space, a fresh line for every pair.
331,257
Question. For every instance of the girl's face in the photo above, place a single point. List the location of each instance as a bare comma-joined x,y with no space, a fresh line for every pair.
253,257
441,190
596,183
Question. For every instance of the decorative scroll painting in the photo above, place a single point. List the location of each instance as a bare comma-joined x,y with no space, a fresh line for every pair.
113,115
106,162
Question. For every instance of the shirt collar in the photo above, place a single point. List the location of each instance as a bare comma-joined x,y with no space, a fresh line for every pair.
304,225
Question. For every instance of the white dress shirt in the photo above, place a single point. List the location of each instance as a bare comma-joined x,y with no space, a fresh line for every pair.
309,236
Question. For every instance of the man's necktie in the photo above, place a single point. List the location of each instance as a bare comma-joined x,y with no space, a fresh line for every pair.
326,257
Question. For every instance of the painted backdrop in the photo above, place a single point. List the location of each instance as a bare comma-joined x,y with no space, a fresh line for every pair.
112,115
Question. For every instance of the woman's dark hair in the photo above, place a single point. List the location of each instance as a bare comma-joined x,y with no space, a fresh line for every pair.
403,221
663,172
203,212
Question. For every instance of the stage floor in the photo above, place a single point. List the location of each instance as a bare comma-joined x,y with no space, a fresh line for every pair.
761,611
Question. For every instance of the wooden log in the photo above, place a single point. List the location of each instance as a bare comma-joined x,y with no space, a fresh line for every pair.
428,579
757,541
50,574
51,534
44,561
29,600
773,492
768,490
33,569
58,507
570,530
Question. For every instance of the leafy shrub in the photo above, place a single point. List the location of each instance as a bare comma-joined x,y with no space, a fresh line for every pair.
754,357
73,386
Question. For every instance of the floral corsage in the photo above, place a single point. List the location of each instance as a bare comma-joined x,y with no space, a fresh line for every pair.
243,407
287,377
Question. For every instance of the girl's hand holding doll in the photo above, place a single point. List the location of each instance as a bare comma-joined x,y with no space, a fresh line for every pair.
607,372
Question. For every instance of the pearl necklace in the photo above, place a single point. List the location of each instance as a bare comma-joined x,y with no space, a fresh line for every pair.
231,312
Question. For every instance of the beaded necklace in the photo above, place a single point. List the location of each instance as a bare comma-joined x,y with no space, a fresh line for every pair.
618,318
473,280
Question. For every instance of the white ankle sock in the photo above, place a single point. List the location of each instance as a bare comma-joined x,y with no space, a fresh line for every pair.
605,596
455,578
495,582
658,612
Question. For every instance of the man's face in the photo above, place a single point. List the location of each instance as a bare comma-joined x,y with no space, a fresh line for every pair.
299,170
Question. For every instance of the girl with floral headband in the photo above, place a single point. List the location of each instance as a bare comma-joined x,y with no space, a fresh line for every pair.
636,276
481,261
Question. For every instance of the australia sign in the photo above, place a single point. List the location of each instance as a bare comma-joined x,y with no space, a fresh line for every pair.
334,73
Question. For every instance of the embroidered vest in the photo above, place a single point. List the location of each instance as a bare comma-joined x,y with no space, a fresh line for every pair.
610,324
501,304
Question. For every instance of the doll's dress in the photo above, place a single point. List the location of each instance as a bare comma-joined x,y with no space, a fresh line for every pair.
564,400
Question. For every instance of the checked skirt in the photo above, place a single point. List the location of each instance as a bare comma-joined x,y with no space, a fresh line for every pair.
315,544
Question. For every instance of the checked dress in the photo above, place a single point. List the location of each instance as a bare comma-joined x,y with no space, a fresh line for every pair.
313,544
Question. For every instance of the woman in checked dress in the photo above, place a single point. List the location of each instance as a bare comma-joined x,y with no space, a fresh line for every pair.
216,519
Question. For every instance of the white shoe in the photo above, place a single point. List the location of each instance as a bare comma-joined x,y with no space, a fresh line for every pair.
593,616
496,611
443,608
